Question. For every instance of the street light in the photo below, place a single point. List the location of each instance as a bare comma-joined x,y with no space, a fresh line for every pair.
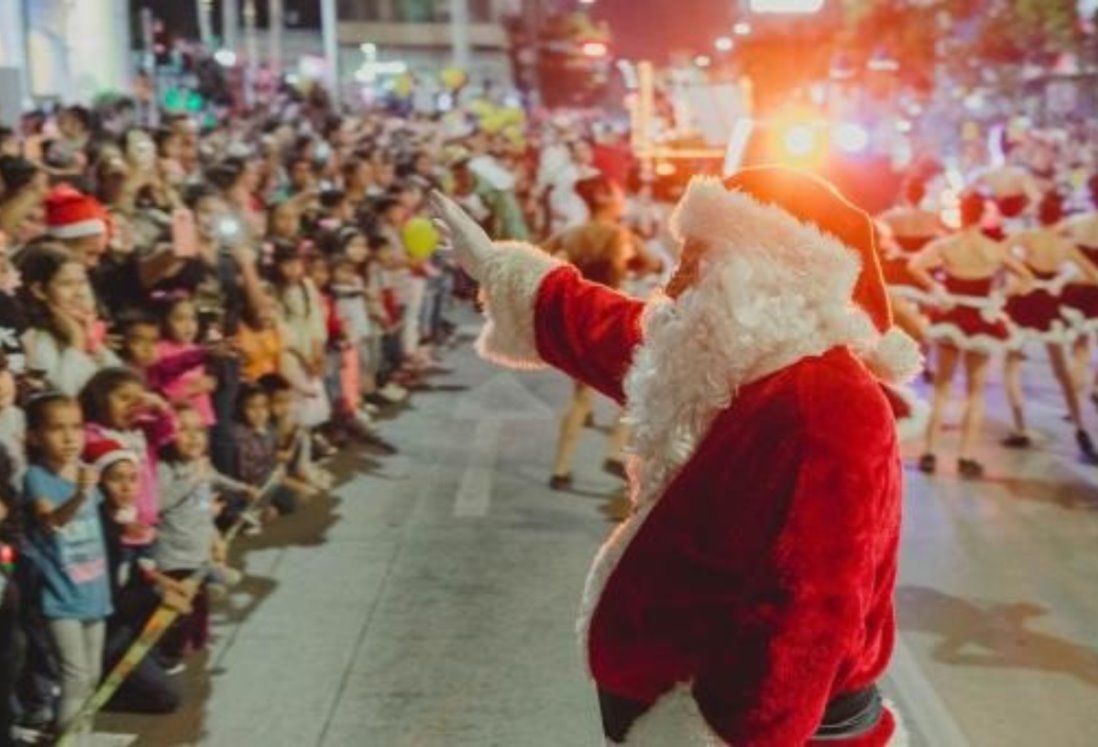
786,6
594,49
724,44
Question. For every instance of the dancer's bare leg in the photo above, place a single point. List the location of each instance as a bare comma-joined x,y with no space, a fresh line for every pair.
976,369
943,378
1012,378
571,426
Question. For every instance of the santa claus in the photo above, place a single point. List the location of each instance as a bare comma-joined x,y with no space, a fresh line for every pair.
748,599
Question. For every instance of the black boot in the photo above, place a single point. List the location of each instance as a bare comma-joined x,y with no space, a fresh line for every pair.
1086,446
970,469
561,482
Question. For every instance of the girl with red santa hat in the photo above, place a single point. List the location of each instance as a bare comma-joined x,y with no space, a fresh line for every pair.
748,598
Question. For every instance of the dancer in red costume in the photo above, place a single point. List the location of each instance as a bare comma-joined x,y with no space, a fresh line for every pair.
968,325
1038,317
909,228
1081,299
1011,187
748,599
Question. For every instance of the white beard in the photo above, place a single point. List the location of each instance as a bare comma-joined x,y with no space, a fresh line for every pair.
746,317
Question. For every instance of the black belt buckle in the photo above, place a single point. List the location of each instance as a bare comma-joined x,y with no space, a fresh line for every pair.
851,715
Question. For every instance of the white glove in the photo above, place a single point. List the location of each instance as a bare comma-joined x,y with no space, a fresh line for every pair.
470,243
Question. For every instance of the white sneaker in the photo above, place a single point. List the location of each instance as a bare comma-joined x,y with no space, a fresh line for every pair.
363,418
321,479
393,392
369,409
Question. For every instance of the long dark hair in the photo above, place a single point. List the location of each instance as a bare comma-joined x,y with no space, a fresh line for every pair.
95,396
38,264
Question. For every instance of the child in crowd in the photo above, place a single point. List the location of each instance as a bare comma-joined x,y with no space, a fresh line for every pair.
259,340
305,333
13,425
357,314
257,448
67,341
188,540
138,586
120,408
179,341
291,439
65,544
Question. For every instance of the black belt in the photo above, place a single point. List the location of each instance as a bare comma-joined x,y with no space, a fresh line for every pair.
851,714
846,716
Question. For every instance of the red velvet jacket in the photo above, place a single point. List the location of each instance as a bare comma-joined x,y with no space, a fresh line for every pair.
764,575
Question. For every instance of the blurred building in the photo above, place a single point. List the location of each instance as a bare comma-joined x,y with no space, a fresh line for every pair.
428,35
63,50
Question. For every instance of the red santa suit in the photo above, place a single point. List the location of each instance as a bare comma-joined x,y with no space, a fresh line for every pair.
750,593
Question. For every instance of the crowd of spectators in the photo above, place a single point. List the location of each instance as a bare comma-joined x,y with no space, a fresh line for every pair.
194,317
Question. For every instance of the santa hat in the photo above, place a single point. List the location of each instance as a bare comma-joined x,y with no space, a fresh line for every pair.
104,453
71,214
801,220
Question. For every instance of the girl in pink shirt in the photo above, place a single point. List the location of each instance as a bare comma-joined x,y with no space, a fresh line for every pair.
118,406
178,341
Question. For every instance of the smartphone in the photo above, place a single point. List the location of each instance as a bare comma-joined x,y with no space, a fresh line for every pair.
184,236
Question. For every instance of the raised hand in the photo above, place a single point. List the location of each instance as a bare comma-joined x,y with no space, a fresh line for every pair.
459,231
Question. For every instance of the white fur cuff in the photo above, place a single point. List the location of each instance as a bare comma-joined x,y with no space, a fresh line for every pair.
895,359
511,277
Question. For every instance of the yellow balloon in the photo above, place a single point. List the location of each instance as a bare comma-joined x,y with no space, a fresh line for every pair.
493,123
482,108
453,78
513,115
515,135
403,85
420,238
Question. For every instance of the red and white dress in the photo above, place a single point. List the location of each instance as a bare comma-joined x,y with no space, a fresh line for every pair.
1037,315
971,317
1081,299
895,268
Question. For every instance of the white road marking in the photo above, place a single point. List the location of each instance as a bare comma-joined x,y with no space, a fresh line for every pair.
920,706
474,495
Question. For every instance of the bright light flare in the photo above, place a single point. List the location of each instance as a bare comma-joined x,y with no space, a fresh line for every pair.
851,138
594,49
786,6
702,61
799,140
225,57
724,44
743,28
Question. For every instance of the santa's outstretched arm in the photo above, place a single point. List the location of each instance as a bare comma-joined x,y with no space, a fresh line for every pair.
540,311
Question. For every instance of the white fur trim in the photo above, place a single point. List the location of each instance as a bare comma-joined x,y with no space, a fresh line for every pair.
901,737
947,333
733,220
1079,321
511,277
895,358
78,230
673,721
914,424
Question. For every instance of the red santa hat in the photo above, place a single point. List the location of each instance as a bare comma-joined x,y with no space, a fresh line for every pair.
800,220
104,453
71,214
